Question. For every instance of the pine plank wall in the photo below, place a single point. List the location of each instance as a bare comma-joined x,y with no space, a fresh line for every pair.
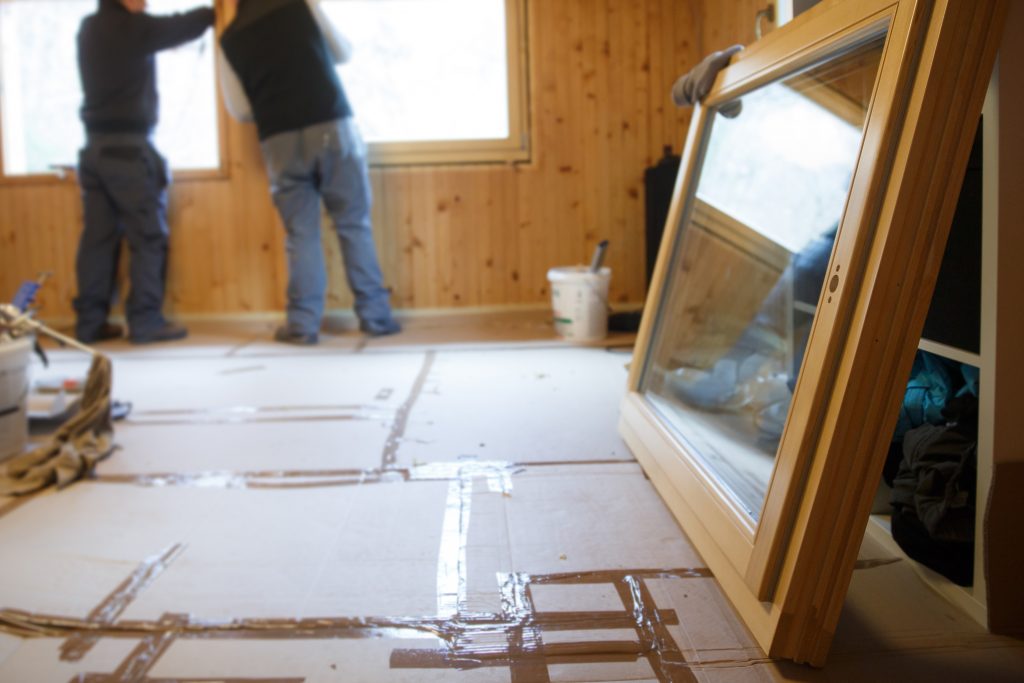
600,72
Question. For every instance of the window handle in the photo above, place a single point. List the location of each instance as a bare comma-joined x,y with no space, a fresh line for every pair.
767,14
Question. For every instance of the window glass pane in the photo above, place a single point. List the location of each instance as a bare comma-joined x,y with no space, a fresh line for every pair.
426,70
187,133
42,93
749,266
781,119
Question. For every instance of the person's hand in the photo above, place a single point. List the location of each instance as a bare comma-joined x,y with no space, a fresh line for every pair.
134,6
694,86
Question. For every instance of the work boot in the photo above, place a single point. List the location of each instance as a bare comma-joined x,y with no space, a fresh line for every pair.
286,335
165,332
106,332
380,327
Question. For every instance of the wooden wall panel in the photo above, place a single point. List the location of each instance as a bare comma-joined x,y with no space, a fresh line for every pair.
448,236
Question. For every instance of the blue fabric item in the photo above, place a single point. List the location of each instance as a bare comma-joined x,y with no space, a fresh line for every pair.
26,295
124,194
325,161
927,392
971,376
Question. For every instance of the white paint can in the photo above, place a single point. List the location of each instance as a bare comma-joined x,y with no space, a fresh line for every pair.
579,298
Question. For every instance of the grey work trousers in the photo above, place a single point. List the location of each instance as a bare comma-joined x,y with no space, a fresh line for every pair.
124,183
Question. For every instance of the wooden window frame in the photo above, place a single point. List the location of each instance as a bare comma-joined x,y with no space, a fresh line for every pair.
511,149
788,574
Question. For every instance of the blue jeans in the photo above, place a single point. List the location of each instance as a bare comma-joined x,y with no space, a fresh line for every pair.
124,194
326,162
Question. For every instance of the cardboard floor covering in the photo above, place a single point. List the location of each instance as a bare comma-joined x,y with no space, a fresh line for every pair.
385,511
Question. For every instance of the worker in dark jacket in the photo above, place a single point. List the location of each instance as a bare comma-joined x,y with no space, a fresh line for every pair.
280,72
123,178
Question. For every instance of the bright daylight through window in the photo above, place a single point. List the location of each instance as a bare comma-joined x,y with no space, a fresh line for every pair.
426,70
42,93
431,71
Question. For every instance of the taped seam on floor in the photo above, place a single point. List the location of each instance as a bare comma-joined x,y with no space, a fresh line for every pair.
528,657
394,440
251,414
525,649
451,567
362,346
107,612
470,639
498,474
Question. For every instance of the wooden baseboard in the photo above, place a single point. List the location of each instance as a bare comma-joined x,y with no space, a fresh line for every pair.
348,314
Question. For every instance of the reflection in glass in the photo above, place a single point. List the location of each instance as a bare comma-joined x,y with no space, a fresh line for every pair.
749,266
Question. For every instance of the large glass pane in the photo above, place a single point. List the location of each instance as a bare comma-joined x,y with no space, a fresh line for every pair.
749,266
187,133
426,70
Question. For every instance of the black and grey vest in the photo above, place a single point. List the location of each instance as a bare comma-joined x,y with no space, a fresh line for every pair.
284,65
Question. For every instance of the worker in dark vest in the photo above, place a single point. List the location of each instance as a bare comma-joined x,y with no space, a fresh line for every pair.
280,72
123,178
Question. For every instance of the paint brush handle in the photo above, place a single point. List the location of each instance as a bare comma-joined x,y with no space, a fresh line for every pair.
595,263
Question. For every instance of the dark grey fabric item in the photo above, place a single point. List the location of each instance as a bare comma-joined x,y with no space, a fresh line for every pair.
936,480
694,86
74,450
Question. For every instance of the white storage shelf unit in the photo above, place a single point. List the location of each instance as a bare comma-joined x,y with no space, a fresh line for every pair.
997,605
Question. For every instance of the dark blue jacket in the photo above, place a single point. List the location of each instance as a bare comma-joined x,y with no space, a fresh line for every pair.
117,65
284,65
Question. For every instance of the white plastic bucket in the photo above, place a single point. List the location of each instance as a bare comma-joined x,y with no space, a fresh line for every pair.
580,302
14,362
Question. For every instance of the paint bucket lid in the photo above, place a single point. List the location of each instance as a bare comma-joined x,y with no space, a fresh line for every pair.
576,273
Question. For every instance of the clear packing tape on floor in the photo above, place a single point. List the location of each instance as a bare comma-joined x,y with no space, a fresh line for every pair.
81,442
514,634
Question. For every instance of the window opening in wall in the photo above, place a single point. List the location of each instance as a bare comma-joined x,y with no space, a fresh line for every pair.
435,80
41,92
